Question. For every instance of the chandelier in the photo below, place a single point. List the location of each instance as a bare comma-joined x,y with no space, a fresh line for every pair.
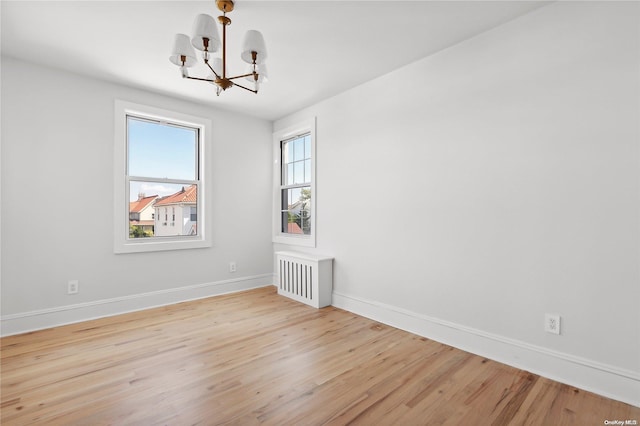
207,40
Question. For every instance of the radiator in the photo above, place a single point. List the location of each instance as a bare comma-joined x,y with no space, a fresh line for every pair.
305,278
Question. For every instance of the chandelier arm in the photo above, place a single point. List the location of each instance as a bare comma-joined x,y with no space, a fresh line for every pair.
245,88
240,76
201,79
212,70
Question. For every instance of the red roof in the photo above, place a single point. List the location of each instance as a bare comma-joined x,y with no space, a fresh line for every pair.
294,228
185,195
141,203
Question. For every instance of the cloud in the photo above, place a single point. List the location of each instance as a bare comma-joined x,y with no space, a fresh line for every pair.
152,188
157,188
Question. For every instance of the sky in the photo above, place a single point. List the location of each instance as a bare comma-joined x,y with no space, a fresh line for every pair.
162,151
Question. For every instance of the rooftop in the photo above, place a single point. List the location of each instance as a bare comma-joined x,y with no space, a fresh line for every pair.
185,195
141,203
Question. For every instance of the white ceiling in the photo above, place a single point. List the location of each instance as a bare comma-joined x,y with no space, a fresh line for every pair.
316,49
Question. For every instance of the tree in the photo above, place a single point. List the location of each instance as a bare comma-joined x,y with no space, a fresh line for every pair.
305,214
305,195
137,232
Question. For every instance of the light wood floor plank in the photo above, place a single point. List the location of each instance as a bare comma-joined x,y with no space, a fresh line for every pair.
257,358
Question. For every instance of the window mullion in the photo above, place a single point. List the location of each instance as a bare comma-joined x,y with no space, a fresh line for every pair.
296,185
197,159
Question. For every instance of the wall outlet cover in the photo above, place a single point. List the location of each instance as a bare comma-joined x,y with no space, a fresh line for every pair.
72,287
552,323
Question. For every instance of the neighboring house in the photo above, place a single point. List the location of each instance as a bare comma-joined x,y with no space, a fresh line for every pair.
294,228
176,214
141,212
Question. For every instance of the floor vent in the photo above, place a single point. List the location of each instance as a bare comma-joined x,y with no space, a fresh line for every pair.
305,277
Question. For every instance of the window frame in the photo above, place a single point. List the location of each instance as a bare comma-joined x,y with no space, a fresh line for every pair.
122,242
306,240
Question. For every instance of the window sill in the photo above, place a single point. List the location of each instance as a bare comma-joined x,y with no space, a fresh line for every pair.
305,241
152,246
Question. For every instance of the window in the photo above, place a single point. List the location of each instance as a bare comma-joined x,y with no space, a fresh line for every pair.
294,185
159,164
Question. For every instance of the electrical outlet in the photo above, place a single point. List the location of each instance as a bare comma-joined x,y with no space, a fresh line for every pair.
232,267
72,287
552,323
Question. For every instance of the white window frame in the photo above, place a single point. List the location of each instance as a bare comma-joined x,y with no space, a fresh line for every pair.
306,240
122,243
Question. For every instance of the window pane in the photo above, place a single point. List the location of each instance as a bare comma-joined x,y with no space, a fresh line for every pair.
298,170
306,218
305,213
307,171
296,213
293,225
162,209
161,151
294,196
289,171
287,152
283,175
307,147
298,150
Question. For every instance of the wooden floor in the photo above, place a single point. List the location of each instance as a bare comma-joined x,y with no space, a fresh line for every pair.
258,358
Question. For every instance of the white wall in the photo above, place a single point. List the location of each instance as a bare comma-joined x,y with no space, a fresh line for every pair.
57,204
493,182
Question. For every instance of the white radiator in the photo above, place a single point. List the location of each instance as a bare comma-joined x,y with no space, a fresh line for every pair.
304,277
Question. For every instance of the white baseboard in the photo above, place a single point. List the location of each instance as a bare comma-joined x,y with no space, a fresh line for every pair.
61,315
606,380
